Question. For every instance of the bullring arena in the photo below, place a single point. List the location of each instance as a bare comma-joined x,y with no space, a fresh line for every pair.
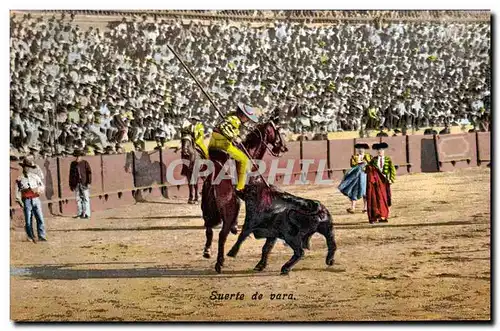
144,261
139,256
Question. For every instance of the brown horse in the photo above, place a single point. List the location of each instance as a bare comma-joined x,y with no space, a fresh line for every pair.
191,153
219,202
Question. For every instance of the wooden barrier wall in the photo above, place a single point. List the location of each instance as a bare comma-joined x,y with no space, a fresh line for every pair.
483,148
456,151
123,179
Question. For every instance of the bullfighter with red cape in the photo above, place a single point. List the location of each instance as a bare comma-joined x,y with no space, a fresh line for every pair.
381,173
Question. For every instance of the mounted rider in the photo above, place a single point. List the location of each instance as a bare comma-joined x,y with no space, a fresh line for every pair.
227,133
195,129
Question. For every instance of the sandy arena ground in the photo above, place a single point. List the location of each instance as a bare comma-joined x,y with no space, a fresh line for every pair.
144,262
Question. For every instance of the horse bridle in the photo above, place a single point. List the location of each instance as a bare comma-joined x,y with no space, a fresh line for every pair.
269,149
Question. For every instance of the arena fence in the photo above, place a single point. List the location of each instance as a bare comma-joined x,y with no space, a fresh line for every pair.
132,177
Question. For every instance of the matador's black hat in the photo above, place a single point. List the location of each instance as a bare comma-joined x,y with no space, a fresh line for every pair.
362,145
380,146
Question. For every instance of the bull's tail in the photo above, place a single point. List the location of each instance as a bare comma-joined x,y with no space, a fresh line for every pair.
325,227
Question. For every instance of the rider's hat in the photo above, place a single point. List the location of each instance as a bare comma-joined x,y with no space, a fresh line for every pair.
248,112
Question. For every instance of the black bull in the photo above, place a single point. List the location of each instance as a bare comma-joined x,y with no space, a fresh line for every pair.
272,214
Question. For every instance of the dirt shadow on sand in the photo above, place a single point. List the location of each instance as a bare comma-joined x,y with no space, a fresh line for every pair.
63,273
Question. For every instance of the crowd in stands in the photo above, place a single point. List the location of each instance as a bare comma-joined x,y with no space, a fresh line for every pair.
73,88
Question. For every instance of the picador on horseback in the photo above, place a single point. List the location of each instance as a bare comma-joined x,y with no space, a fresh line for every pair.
194,129
226,138
271,213
192,148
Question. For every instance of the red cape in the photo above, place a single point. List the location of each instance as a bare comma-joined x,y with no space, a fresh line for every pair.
378,194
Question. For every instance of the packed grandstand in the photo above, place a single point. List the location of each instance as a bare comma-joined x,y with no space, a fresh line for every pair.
101,79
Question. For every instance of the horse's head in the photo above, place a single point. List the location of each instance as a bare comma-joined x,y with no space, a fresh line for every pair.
265,136
187,146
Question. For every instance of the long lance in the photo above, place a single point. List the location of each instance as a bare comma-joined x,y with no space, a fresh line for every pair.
214,105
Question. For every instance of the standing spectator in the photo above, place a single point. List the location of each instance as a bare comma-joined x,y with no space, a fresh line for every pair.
29,188
80,179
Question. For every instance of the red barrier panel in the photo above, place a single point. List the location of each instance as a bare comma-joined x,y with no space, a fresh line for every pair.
15,171
49,170
292,154
397,152
456,151
317,151
181,191
484,147
175,191
169,157
117,200
117,172
422,154
340,157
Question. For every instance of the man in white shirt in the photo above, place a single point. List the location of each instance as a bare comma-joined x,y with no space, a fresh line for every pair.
29,187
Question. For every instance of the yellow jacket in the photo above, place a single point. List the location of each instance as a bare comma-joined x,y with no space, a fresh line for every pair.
388,168
354,159
198,131
222,138
230,127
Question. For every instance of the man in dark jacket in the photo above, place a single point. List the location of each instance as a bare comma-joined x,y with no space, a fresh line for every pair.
80,178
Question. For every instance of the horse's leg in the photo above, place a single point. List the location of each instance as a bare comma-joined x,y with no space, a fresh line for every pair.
245,232
209,233
296,244
266,249
190,190
234,223
196,193
222,241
